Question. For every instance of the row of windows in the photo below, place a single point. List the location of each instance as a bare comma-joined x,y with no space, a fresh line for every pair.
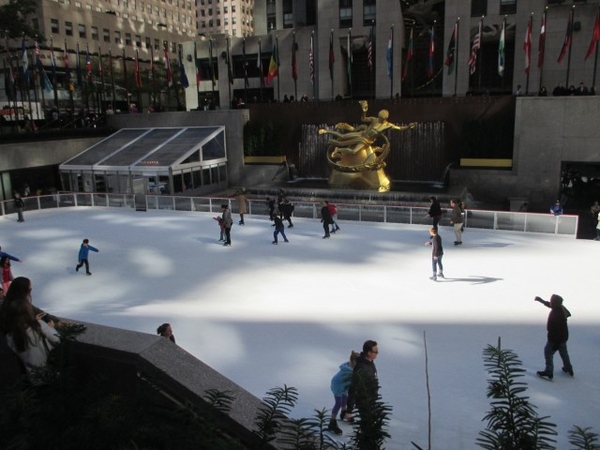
128,4
217,10
480,7
210,2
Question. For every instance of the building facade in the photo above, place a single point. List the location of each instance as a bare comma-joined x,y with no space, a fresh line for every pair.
231,17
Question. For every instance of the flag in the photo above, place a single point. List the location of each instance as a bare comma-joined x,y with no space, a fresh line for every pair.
370,51
409,54
151,71
568,35
182,75
53,64
88,64
431,52
245,64
542,42
274,63
45,83
25,63
311,60
136,69
501,59
66,57
527,44
210,62
451,53
259,65
389,54
198,78
229,65
9,82
595,36
294,64
350,57
475,43
125,83
168,72
78,67
331,55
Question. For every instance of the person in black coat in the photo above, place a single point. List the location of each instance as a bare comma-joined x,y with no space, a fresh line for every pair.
19,206
435,211
558,335
437,252
326,219
364,387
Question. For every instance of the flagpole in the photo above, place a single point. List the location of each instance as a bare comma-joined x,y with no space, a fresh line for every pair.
278,77
349,49
260,69
245,62
570,45
212,70
370,62
595,67
229,80
480,55
312,64
35,90
331,63
594,42
197,72
112,79
102,90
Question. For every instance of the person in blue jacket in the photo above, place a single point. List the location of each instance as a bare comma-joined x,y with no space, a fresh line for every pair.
340,383
83,256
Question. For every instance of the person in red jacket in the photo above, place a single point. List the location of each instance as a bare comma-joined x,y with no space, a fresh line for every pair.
333,211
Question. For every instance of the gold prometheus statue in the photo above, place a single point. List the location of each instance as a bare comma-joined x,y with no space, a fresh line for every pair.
357,154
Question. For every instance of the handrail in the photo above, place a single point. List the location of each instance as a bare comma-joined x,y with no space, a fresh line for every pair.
525,222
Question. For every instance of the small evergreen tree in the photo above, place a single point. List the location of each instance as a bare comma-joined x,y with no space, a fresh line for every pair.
279,402
583,438
512,423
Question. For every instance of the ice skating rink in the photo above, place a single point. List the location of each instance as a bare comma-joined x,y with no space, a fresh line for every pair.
266,315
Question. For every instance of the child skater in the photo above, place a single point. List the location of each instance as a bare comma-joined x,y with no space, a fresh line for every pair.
221,227
340,383
83,256
7,275
279,228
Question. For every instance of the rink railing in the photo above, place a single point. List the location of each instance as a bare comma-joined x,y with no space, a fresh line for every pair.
565,225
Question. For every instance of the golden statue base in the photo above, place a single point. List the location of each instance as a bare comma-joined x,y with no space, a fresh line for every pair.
371,180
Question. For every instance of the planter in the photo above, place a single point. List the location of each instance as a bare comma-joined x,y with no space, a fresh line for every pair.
265,160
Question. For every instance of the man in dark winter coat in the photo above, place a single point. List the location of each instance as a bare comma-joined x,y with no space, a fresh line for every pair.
364,388
326,219
558,334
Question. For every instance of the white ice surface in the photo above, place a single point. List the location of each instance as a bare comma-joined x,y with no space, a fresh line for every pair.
266,315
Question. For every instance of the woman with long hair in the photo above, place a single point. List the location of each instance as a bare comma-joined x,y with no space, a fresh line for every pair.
26,333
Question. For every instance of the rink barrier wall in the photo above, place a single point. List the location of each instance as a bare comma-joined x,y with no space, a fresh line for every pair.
523,222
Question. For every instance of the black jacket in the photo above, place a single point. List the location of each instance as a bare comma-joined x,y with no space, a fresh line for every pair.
364,388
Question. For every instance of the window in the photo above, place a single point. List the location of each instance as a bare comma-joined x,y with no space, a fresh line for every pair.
478,8
82,32
203,13
35,23
508,6
345,13
225,9
117,37
148,43
138,40
156,44
95,33
69,28
288,14
271,15
369,12
127,38
54,28
218,22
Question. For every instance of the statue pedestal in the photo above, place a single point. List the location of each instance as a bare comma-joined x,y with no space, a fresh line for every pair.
366,180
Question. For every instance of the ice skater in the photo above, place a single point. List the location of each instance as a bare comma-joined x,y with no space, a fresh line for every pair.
558,335
326,219
279,228
340,383
84,250
227,224
437,252
221,227
333,211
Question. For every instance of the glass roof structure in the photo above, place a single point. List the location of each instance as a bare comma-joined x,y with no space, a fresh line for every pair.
138,150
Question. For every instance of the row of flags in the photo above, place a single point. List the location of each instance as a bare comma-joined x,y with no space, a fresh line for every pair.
48,84
527,44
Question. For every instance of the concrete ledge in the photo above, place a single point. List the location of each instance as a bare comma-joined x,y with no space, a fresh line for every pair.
123,356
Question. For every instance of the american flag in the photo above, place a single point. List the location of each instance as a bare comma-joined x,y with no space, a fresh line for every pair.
370,51
542,42
136,69
311,60
168,68
475,43
66,57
